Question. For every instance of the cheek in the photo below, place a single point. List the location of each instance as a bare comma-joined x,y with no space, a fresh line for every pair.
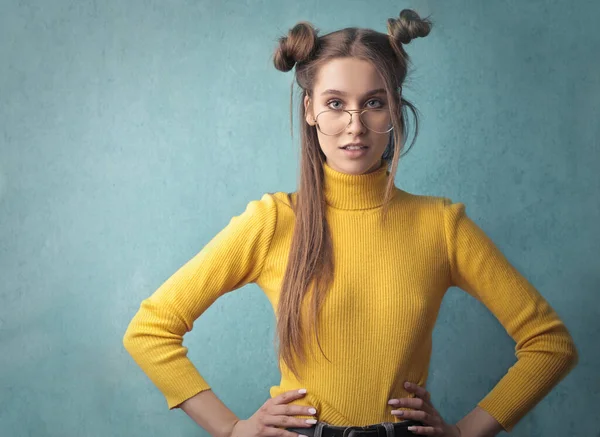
378,141
382,141
328,143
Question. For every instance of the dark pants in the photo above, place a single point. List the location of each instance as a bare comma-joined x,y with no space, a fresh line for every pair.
384,429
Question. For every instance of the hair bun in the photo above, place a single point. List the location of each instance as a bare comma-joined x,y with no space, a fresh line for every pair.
408,26
297,46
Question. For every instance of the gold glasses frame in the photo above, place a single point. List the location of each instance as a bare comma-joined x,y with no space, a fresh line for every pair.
351,112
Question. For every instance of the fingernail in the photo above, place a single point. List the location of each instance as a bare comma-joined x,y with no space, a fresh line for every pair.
398,412
302,390
393,401
407,384
311,421
312,411
411,428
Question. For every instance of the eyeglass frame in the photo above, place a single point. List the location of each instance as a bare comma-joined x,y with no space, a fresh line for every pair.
350,111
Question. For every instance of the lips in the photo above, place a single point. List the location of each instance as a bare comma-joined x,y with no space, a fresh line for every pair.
361,145
355,153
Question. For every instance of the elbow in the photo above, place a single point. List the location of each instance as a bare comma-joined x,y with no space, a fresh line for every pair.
557,351
128,342
567,356
572,357
131,337
570,352
565,349
134,344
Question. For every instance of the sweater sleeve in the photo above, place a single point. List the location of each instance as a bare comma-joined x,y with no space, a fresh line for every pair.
544,348
232,259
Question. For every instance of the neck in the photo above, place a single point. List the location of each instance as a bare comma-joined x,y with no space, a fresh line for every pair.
351,192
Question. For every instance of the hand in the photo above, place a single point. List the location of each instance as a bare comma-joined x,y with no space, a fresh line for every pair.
423,412
274,414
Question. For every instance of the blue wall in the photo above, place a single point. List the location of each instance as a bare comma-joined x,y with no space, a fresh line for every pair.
131,131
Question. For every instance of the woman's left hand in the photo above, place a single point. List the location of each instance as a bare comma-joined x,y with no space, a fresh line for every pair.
423,411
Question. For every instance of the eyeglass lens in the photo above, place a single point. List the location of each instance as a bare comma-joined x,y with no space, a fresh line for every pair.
335,121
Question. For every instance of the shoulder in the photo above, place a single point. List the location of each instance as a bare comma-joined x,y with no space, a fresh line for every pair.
269,207
263,205
442,207
258,213
282,200
423,201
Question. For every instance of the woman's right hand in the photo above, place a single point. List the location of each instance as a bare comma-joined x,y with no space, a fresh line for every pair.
274,415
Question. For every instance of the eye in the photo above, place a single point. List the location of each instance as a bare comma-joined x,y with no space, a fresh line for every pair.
334,101
377,101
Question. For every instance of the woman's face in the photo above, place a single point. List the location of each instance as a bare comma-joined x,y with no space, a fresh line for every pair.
349,83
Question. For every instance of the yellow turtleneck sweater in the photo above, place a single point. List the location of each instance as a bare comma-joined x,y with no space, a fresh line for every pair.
377,321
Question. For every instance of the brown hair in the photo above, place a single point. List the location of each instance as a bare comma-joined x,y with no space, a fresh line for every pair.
310,263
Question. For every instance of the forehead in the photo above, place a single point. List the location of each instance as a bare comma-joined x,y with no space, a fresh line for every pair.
351,75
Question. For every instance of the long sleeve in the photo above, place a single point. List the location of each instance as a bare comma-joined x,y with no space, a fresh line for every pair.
544,348
232,259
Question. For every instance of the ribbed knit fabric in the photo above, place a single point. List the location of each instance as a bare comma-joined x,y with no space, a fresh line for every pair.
377,321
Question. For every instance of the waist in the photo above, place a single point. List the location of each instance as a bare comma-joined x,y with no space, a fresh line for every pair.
388,429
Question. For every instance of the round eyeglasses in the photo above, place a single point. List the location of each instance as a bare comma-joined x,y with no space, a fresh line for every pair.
335,121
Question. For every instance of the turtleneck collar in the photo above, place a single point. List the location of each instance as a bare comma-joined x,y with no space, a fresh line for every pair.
350,191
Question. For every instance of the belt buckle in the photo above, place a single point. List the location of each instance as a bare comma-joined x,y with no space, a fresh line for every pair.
352,431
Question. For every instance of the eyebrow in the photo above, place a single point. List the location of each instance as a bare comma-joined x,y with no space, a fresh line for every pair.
342,93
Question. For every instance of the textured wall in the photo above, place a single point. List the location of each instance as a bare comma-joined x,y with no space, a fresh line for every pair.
130,133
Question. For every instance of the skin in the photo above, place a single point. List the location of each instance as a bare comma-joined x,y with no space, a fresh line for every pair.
271,419
274,416
478,423
356,78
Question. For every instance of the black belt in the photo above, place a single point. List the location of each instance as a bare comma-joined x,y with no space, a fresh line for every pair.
384,429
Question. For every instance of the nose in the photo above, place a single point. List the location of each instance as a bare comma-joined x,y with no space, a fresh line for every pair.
356,125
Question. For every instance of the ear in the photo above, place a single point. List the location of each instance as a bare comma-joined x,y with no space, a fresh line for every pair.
308,111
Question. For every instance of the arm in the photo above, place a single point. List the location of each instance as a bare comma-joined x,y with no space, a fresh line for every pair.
233,258
544,348
479,423
207,410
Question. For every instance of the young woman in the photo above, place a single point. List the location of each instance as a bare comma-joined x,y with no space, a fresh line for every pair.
355,269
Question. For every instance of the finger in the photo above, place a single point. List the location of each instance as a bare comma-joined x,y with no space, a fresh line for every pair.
288,396
288,422
415,404
419,415
418,390
422,430
292,410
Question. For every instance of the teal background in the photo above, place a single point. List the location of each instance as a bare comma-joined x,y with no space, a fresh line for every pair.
131,132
